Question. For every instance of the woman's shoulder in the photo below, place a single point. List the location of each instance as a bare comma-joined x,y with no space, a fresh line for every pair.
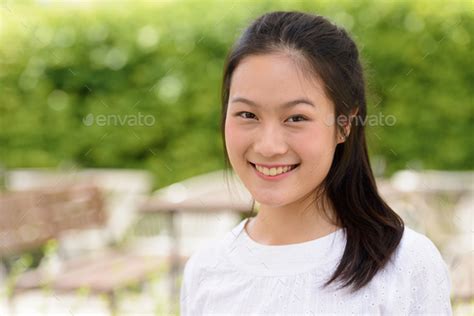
205,259
211,254
205,256
417,246
418,271
418,257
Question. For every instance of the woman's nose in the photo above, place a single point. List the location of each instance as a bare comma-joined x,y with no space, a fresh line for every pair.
270,142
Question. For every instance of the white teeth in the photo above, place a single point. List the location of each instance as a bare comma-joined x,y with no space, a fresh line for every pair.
273,171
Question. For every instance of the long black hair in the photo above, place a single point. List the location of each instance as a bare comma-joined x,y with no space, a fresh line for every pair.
373,229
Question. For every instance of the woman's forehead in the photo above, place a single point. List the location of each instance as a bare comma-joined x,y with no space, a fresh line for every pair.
275,79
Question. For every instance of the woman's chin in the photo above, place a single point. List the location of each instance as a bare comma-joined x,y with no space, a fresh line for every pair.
270,200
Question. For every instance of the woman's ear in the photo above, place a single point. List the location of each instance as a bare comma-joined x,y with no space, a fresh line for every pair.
346,126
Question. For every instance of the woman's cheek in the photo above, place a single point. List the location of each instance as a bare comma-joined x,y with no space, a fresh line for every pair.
314,143
235,137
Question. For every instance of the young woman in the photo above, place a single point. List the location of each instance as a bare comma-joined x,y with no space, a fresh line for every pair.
323,241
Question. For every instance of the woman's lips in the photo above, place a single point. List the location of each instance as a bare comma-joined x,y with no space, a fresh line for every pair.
276,177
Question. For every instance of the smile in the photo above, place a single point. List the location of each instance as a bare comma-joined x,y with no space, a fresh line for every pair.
275,172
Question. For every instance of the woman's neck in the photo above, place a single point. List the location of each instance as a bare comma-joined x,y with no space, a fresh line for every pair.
291,224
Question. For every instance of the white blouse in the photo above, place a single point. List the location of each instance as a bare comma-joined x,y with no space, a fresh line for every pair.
238,276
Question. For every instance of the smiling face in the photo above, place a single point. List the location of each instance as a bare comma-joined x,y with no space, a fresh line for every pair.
276,116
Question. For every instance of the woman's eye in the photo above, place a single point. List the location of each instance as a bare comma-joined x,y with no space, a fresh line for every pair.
246,115
249,115
297,118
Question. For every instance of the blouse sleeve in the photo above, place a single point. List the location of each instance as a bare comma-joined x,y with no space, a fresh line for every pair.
431,283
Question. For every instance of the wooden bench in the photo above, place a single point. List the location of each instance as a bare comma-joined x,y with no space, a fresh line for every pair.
29,219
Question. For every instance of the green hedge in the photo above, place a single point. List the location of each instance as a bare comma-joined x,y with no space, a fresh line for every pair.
66,66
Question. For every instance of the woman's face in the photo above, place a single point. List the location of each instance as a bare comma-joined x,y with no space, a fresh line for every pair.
277,117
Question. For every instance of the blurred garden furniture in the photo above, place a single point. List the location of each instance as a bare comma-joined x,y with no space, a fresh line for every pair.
30,218
123,190
205,194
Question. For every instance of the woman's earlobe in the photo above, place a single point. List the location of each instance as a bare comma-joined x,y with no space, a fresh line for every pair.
341,139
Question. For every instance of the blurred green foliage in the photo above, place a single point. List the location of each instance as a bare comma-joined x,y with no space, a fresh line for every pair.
74,78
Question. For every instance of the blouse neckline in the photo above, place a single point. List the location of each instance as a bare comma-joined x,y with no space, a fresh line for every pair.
259,259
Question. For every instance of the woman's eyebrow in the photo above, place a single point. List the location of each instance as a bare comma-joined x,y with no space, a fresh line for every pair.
284,105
